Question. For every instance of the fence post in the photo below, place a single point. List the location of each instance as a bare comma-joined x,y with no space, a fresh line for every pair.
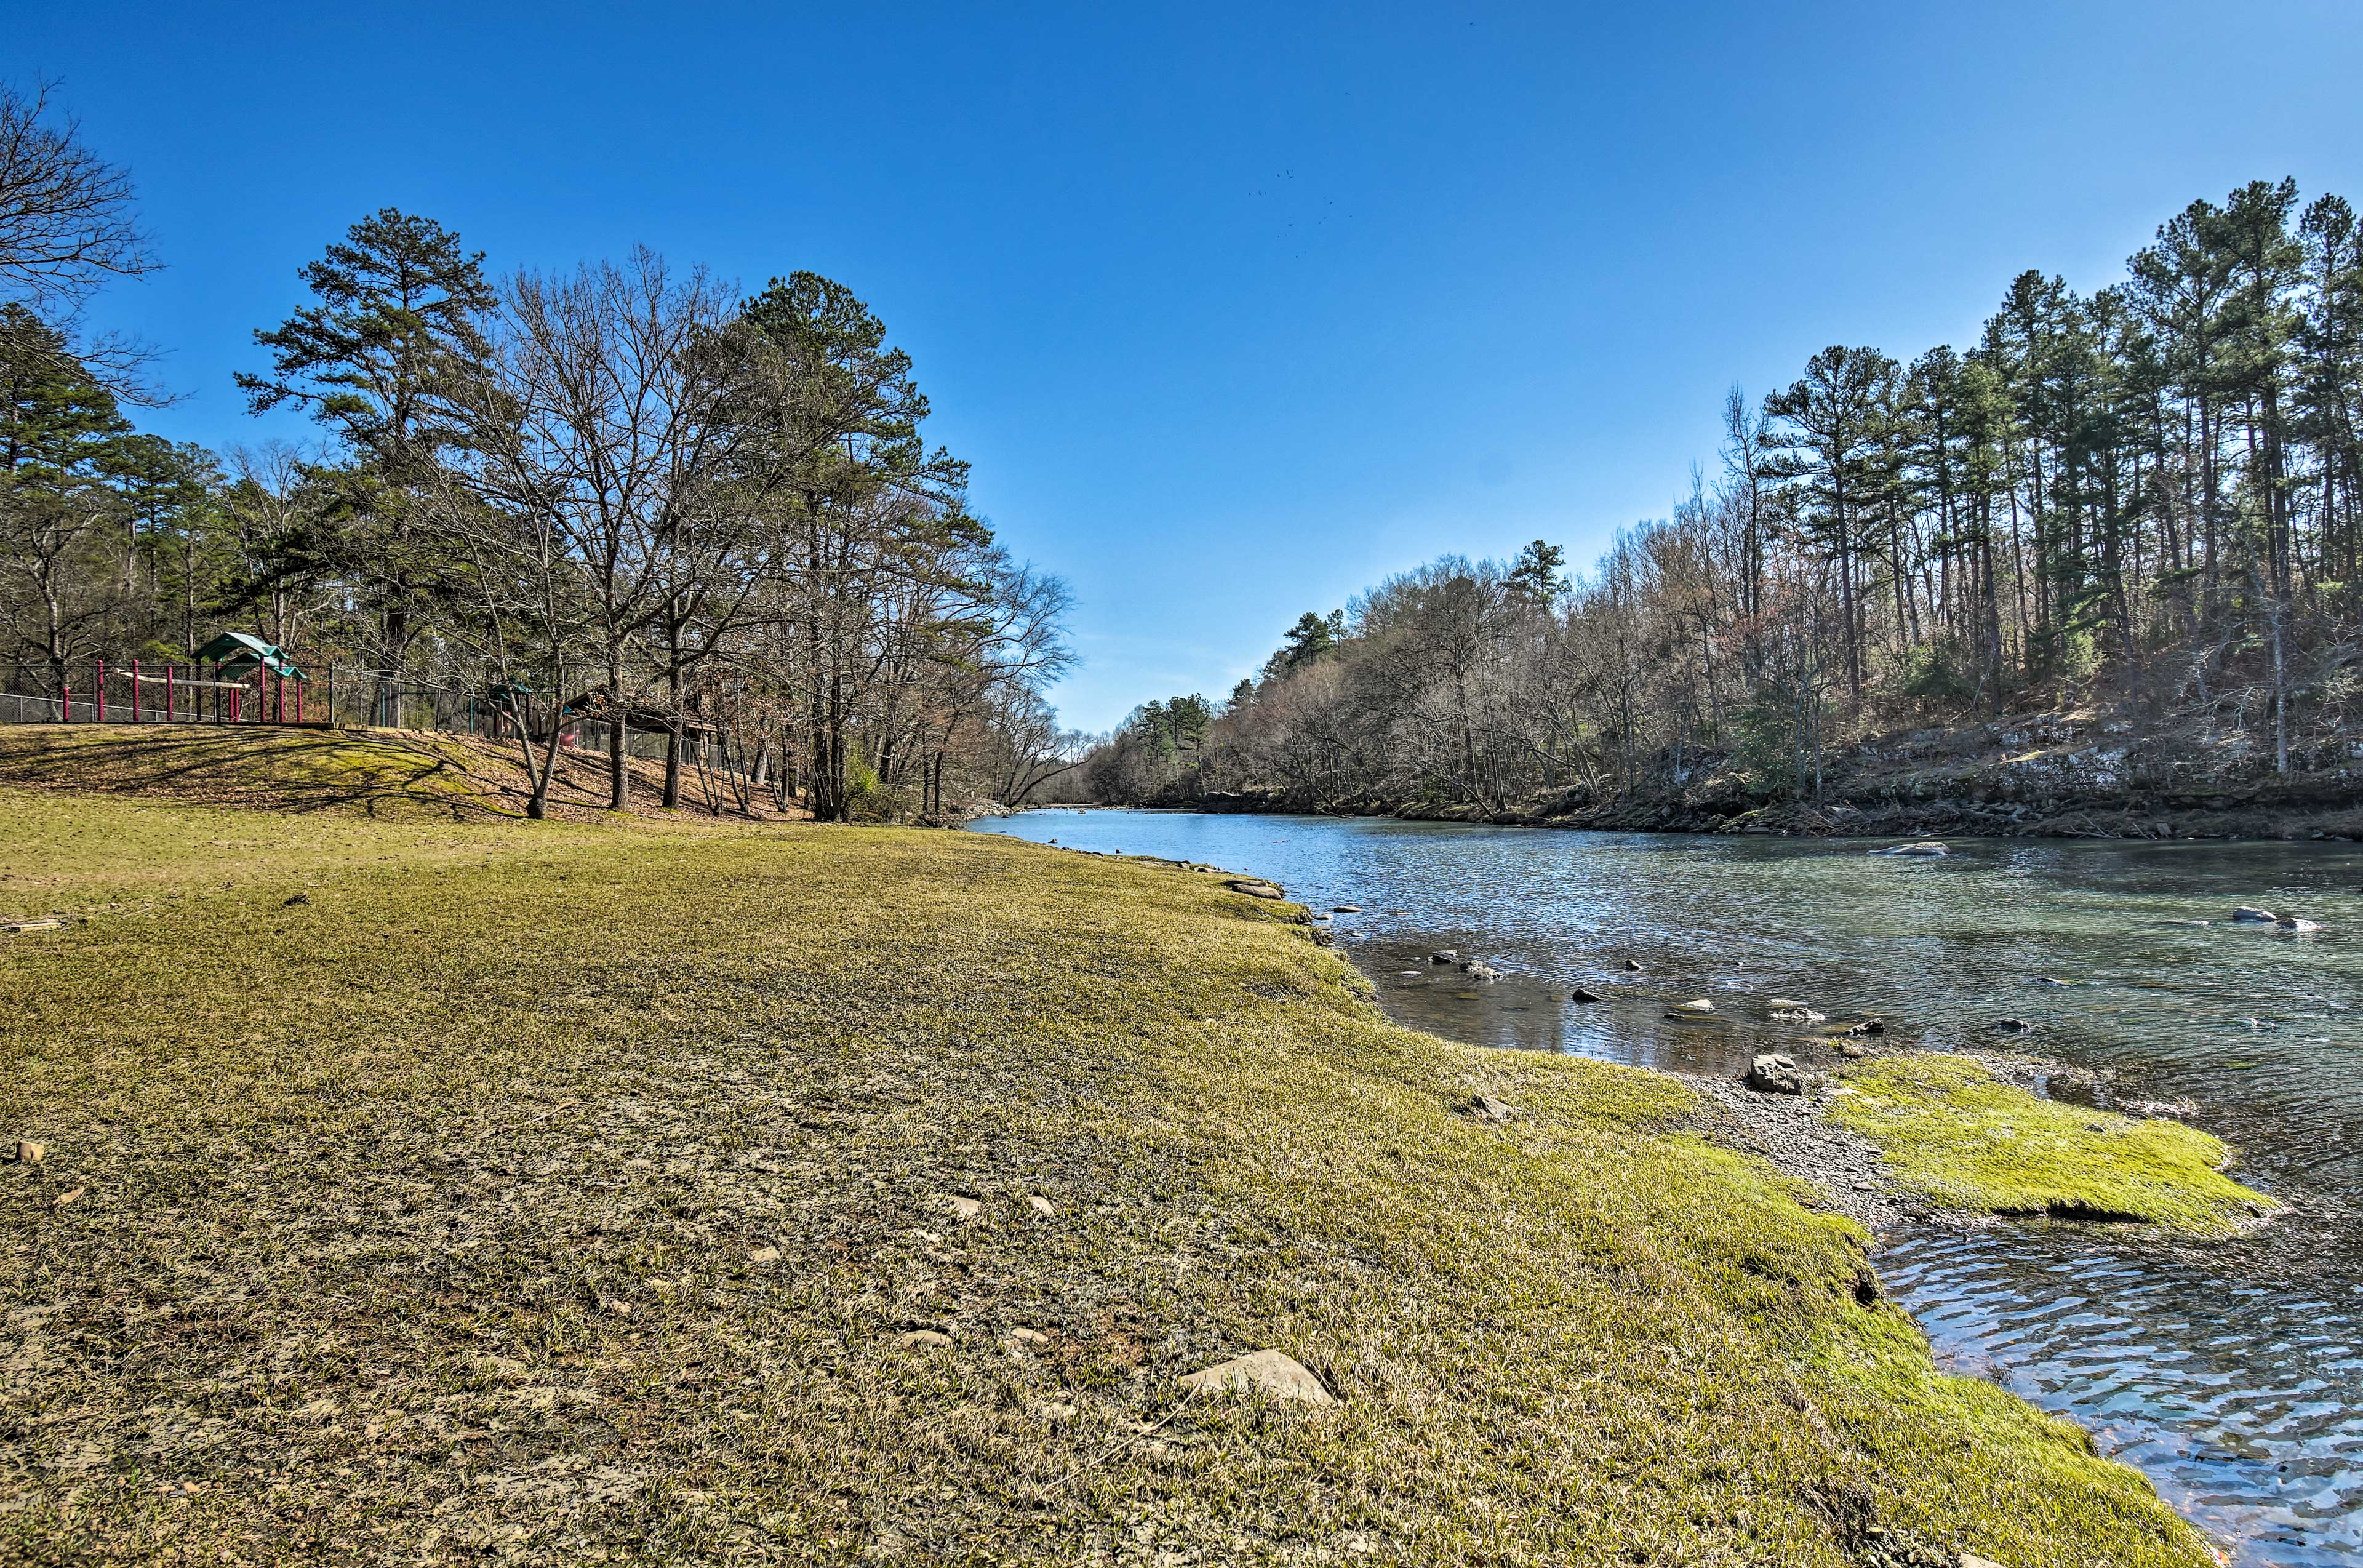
101,684
135,691
168,694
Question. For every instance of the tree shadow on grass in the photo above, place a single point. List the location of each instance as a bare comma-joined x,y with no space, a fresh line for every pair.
381,774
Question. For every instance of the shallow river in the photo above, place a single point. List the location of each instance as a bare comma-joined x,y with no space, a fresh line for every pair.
2231,1372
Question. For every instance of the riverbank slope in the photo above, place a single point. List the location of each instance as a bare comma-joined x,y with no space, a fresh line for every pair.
415,1188
2095,774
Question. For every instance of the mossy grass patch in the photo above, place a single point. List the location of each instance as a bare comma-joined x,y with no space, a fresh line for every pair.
1955,1132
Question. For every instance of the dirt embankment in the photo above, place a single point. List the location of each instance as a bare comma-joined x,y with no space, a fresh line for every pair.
2045,775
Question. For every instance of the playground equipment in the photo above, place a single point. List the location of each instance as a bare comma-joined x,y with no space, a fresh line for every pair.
243,666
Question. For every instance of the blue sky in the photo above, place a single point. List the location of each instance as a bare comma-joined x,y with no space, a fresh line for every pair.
1236,310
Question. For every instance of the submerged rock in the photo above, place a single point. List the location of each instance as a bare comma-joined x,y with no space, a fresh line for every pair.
1478,969
1345,909
2249,914
2013,1026
1266,1371
1701,1005
1585,994
1915,850
1635,965
2291,925
1444,955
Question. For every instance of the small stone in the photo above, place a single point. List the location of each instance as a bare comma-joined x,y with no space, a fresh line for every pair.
1635,965
1029,1336
1345,909
1585,994
66,1197
29,1153
299,898
2290,923
1478,969
922,1340
2013,1026
1871,1026
764,1255
1697,1005
1485,1108
2250,914
1041,1205
1268,1372
1444,955
1971,1560
1773,1075
1057,1412
1850,1051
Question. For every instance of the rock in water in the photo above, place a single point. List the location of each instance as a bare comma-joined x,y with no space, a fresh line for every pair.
1267,1372
1444,955
2291,925
1345,909
2013,1026
1254,889
1634,964
1478,969
1915,850
1699,1006
1585,994
2249,914
1771,1075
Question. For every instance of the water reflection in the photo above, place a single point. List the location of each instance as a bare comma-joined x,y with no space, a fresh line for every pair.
2230,1372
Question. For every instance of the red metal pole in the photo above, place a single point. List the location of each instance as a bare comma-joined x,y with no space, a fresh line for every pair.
135,691
67,694
102,691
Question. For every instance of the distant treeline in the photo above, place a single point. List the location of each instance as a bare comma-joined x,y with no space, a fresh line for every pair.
2151,494
616,495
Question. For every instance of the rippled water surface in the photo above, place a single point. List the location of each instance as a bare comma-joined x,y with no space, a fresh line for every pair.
2232,1373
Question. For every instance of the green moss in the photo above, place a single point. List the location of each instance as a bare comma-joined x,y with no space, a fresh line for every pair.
559,1191
1965,1139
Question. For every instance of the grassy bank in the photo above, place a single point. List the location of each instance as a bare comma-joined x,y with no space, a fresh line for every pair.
560,1191
1959,1136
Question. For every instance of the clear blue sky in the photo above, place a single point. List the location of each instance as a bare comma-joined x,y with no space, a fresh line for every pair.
1236,310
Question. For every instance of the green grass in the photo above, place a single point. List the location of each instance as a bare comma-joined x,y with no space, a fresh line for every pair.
1965,1139
557,1192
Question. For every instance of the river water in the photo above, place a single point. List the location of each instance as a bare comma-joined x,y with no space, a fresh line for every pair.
2232,1373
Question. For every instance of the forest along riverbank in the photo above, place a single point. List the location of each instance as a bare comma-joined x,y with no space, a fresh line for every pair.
2078,775
2224,1368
